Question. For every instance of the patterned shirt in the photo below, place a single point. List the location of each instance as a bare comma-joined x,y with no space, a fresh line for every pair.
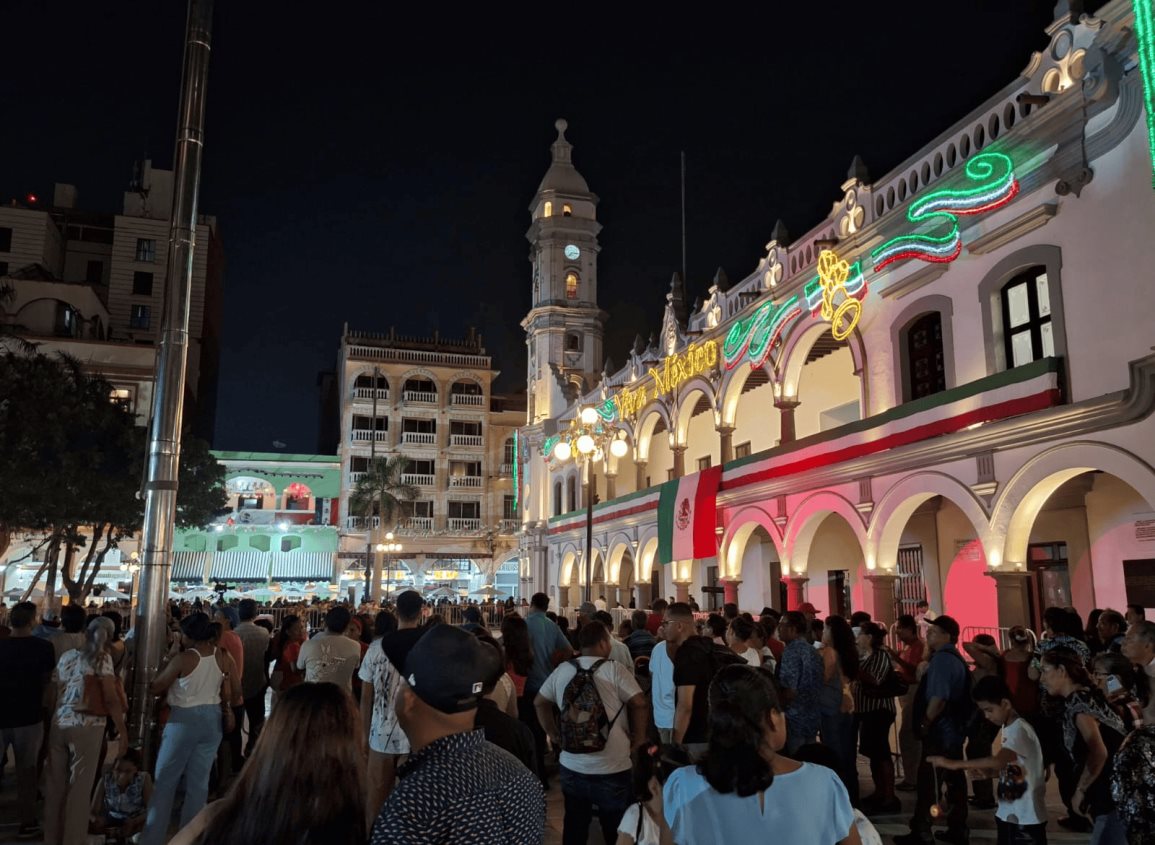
878,667
385,735
801,671
1133,785
462,789
70,672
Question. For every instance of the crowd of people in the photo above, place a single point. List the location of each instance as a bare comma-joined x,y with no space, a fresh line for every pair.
669,727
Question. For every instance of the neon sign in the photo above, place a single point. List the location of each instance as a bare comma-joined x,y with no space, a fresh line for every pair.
837,278
754,337
673,371
1144,34
997,186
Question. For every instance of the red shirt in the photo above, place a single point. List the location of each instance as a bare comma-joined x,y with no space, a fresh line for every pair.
911,654
776,647
231,643
653,623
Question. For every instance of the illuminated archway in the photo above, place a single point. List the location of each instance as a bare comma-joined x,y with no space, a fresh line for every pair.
648,420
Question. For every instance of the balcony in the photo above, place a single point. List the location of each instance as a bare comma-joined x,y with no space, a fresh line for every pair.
370,393
365,435
468,400
445,359
355,477
458,481
458,523
465,440
425,397
417,523
506,469
419,438
509,526
362,523
418,479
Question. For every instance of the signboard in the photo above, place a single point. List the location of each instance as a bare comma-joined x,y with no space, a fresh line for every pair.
1139,581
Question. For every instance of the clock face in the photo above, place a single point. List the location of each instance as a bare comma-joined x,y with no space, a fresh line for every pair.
572,252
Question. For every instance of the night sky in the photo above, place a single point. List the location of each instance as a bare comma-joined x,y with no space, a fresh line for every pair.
374,163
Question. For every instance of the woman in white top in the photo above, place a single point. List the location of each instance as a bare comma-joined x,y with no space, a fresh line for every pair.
745,790
739,636
76,737
197,682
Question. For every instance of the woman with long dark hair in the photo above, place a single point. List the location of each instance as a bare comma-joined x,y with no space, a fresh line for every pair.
836,705
299,784
744,788
1092,733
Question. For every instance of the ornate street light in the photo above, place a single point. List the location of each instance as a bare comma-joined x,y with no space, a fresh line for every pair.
589,438
387,548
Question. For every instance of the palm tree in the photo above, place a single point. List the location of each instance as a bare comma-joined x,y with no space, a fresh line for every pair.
382,490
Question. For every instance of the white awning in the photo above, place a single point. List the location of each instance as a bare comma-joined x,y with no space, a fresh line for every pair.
303,566
240,566
189,567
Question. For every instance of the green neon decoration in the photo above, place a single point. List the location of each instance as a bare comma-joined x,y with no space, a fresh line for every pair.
1145,35
516,468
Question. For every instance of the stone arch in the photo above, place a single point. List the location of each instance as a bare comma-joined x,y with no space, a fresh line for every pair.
566,570
737,533
731,388
619,545
644,429
797,346
808,516
894,510
688,400
1028,490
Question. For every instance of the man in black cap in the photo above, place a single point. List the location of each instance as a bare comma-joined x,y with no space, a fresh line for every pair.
455,786
942,708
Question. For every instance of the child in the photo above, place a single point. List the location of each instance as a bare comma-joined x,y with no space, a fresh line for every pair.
121,800
1022,812
643,823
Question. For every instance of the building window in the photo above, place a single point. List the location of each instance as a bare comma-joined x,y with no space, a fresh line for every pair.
571,495
704,463
742,450
65,320
573,343
557,500
507,455
464,510
3,268
121,396
145,249
141,284
548,212
94,272
423,510
566,210
508,510
359,464
5,239
926,366
140,317
571,285
1027,331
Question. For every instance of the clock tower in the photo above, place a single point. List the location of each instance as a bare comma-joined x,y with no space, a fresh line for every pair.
564,325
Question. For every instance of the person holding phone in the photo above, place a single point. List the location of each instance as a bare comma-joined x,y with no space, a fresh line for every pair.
1114,675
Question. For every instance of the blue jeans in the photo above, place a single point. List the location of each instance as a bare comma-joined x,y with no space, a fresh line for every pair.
1108,830
187,748
838,734
611,793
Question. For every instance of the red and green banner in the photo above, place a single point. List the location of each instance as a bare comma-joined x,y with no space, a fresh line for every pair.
687,516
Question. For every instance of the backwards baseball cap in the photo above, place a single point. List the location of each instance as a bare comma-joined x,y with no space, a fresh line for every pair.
946,624
447,668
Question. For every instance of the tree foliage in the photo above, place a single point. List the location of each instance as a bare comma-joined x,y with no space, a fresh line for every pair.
72,461
382,492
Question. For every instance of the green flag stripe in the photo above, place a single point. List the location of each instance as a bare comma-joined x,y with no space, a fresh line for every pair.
667,501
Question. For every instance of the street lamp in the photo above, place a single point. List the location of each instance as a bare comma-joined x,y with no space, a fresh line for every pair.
388,548
589,438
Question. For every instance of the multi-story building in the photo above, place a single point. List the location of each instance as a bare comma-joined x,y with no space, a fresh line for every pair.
92,284
430,401
942,390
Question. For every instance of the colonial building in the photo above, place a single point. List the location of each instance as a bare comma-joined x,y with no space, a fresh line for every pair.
430,401
92,284
941,390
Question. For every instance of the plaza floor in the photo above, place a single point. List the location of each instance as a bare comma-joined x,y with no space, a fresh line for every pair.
981,821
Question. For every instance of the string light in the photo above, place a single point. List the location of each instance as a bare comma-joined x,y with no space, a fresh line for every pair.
997,186
755,336
1145,35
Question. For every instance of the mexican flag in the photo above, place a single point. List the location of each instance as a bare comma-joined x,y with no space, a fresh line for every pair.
687,514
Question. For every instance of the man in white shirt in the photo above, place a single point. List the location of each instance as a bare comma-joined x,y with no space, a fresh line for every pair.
602,778
662,689
331,657
619,651
1139,648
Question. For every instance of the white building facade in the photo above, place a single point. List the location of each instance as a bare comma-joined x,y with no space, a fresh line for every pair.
943,390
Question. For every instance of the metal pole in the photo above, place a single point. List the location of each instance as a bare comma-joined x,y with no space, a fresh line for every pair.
160,488
589,527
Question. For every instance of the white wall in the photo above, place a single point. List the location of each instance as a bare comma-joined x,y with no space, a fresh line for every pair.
1112,510
826,383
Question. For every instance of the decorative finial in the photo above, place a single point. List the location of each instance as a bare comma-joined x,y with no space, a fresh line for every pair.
561,126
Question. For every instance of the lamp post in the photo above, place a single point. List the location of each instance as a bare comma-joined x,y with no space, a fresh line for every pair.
388,548
589,438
